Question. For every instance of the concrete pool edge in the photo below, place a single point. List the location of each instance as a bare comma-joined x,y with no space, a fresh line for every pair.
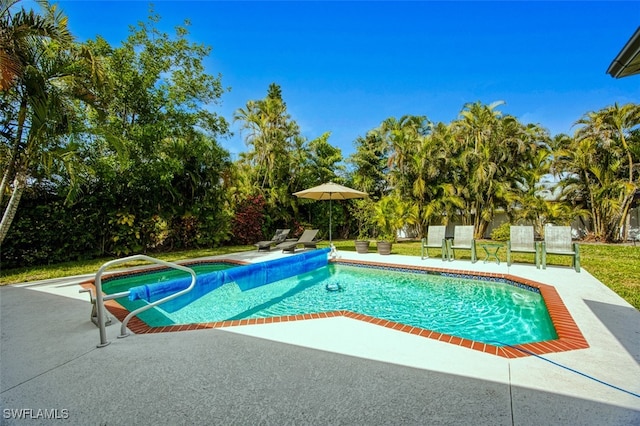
569,335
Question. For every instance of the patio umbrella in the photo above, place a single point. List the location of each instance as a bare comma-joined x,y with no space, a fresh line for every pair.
330,191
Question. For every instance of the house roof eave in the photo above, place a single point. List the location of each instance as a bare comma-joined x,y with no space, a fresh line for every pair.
627,62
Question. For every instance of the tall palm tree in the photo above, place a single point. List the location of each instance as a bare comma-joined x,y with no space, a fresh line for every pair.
441,198
620,122
277,152
603,167
407,142
478,150
49,73
370,165
494,155
478,121
271,134
403,137
18,31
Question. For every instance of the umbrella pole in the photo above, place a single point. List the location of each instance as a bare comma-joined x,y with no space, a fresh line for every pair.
329,219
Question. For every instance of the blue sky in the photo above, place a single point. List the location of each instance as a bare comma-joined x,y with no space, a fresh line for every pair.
346,66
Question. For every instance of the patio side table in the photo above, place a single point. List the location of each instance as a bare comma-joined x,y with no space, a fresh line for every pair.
491,251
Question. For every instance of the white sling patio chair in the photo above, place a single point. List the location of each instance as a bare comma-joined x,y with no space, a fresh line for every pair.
463,240
522,240
557,240
435,239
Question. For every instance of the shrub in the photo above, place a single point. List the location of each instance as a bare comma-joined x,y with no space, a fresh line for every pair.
501,233
248,220
46,231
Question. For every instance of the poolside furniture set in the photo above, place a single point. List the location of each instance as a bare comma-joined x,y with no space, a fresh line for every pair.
307,240
280,241
462,240
279,237
557,241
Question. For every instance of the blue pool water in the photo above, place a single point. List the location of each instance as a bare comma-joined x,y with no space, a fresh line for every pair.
478,310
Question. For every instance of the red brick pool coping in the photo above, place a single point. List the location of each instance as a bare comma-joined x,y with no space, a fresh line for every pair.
569,335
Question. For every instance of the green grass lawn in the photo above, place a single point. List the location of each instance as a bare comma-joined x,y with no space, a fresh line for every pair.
617,266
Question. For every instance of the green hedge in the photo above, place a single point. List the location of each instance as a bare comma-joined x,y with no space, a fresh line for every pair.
46,231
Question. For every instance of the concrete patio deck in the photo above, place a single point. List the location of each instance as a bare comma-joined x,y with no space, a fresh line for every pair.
322,371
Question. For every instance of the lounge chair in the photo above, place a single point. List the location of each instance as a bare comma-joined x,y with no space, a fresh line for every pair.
278,237
463,240
435,239
306,239
522,240
557,240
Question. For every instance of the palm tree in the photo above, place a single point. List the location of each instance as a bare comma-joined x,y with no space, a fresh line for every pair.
496,161
275,163
407,142
48,73
478,160
478,121
391,214
403,138
370,165
444,198
17,33
620,122
603,164
271,134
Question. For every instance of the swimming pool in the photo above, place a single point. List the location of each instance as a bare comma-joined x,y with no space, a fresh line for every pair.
495,311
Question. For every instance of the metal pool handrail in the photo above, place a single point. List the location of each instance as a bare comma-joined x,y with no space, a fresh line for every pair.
100,298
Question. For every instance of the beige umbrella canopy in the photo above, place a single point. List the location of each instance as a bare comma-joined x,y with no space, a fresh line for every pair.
330,191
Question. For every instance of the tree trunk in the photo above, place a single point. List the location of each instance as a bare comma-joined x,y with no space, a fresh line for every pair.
8,173
19,184
622,228
15,150
482,229
3,184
